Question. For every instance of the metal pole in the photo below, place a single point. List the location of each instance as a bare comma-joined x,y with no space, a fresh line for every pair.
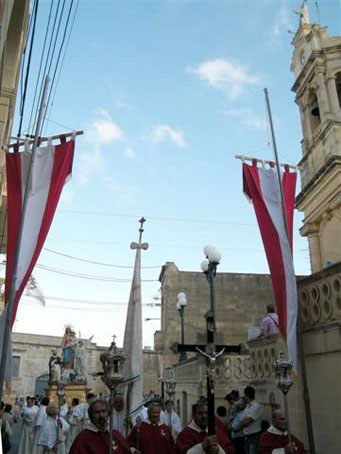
183,355
211,351
287,416
306,396
112,395
9,305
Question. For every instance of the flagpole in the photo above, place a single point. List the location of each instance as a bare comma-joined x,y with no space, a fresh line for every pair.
306,396
9,306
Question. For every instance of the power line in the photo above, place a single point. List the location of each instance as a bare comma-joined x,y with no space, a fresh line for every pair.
96,263
160,218
91,302
89,276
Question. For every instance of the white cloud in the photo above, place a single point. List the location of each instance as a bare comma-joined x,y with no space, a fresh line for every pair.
129,153
160,133
282,24
103,130
89,163
226,75
67,196
247,117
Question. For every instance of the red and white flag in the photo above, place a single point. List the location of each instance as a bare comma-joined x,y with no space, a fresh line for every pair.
262,187
51,167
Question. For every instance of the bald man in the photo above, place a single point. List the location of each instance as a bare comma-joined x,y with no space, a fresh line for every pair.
276,441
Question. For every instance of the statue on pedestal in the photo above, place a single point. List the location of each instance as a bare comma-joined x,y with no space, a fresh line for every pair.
80,355
54,367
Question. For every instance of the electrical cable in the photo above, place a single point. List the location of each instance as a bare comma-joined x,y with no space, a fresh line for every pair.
89,276
58,58
22,110
47,116
96,263
46,62
40,67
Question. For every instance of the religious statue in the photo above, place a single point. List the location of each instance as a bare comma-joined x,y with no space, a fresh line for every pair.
73,358
69,340
54,367
80,356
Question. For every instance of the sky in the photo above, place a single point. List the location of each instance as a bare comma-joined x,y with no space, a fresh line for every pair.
167,93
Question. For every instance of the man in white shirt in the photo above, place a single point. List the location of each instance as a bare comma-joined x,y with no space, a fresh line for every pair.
251,421
118,415
52,433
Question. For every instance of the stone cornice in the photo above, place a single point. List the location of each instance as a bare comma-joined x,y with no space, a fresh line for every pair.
332,162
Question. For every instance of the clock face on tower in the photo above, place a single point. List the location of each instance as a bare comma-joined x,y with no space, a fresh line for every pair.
302,58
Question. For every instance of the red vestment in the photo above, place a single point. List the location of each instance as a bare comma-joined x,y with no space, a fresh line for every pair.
189,437
270,441
152,439
91,442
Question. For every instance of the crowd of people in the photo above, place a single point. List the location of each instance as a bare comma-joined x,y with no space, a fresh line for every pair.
155,429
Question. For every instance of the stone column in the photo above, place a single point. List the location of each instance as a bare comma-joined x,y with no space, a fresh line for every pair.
334,101
322,97
315,251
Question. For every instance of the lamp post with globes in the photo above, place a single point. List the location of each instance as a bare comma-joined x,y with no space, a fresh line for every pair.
209,267
181,303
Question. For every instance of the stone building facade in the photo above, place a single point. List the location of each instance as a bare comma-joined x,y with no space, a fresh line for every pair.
31,353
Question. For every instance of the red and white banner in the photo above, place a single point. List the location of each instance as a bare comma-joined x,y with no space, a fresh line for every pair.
51,167
262,187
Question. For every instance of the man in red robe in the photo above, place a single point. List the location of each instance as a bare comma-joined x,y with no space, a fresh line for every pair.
276,441
194,438
95,438
152,436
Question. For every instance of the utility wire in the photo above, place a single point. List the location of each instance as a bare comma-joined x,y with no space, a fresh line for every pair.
89,276
94,262
47,117
40,68
22,107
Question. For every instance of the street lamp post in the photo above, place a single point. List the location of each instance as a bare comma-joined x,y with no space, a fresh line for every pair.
209,267
181,303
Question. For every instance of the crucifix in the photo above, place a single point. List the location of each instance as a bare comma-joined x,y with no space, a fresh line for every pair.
210,350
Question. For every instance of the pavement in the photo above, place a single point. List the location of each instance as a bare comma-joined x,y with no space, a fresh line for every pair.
16,434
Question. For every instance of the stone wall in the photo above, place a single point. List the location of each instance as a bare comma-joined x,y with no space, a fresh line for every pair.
240,304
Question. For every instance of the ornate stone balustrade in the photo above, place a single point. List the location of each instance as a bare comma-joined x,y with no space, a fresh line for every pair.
263,352
320,297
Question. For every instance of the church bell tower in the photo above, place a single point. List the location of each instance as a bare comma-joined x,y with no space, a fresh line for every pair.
316,64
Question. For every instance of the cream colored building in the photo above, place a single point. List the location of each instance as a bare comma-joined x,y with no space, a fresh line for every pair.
13,23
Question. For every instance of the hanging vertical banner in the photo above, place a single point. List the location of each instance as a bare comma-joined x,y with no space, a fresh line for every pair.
133,341
261,186
51,168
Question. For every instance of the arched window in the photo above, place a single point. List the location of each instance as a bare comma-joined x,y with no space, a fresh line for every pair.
314,111
338,87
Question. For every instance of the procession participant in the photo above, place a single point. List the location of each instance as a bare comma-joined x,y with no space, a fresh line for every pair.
276,440
5,431
171,418
95,438
52,434
120,421
75,420
270,324
8,414
194,438
64,409
84,409
29,414
237,433
152,436
251,421
40,419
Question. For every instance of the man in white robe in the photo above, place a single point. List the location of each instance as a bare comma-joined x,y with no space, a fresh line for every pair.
41,417
171,419
118,415
29,414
